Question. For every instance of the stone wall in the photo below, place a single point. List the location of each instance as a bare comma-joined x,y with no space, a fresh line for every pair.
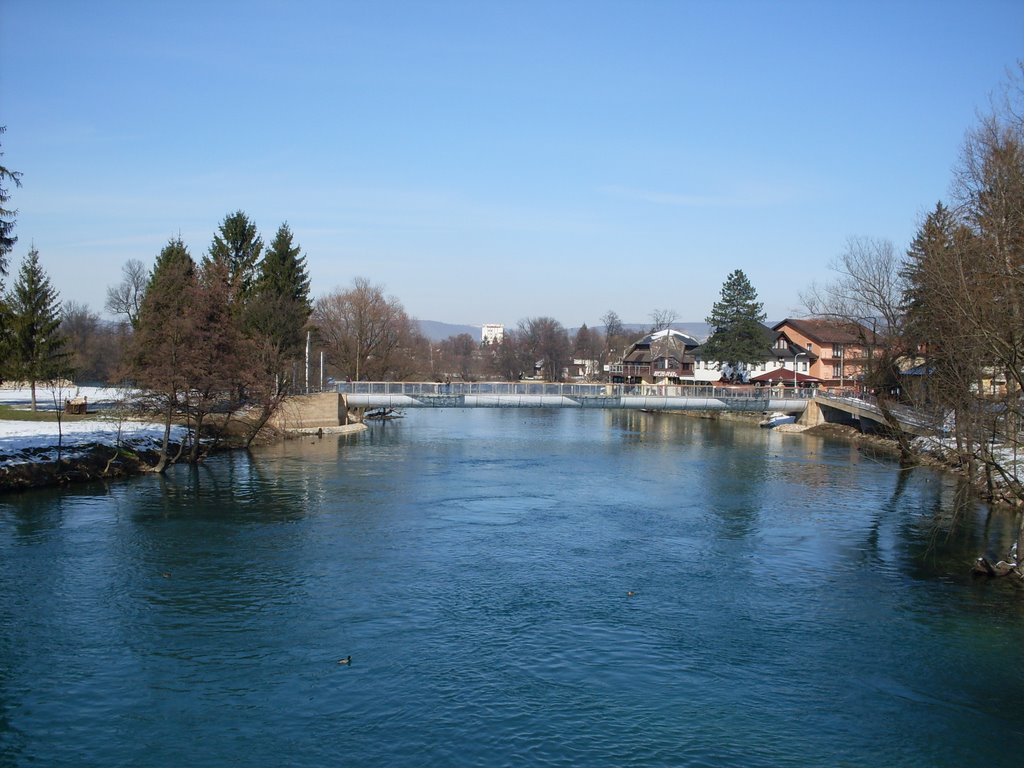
326,409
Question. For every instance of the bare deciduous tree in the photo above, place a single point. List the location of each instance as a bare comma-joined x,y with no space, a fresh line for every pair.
868,285
867,296
362,329
988,304
587,345
86,341
457,355
548,344
662,319
615,337
510,359
125,298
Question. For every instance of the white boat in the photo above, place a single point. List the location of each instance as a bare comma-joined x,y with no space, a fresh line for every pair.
777,418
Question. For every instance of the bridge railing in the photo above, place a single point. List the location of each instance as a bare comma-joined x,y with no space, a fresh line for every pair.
443,389
905,415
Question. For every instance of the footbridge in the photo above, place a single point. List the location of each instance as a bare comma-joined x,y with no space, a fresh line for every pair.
400,395
866,414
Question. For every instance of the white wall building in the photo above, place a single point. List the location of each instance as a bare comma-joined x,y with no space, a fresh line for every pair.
492,333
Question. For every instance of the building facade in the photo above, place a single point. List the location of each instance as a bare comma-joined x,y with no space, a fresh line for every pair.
662,357
835,352
492,333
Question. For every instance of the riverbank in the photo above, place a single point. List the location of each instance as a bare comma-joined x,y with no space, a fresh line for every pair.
87,463
36,454
926,451
38,449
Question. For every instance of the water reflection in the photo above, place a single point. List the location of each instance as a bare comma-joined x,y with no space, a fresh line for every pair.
796,602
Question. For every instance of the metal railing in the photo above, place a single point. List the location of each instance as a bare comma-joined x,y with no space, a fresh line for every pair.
455,389
907,417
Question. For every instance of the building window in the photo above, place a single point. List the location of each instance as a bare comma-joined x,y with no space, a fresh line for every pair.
837,371
808,346
837,350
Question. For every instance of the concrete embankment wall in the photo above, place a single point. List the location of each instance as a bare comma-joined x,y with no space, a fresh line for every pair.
813,416
317,411
821,413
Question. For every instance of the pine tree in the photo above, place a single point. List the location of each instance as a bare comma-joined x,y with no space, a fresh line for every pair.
283,270
7,237
279,307
924,271
36,345
237,247
166,333
737,319
218,361
944,274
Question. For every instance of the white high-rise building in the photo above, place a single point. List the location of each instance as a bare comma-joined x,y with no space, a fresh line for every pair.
492,333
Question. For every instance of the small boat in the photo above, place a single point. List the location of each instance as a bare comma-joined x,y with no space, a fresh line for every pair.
777,418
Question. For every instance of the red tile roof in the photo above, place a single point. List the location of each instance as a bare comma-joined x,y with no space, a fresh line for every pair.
783,376
826,331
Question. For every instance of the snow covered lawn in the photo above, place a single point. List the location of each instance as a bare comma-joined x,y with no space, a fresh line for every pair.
45,400
32,441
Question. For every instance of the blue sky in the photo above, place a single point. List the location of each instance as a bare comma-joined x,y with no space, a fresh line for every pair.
491,161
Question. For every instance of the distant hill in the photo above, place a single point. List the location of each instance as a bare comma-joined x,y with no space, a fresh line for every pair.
436,331
699,331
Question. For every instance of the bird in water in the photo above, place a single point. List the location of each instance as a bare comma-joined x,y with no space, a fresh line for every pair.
346,661
631,594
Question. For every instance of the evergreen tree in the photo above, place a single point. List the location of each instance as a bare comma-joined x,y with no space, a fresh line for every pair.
940,274
283,270
217,360
237,248
926,258
165,334
279,307
36,345
173,259
737,319
7,237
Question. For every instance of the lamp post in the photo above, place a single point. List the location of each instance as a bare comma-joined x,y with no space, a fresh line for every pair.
796,357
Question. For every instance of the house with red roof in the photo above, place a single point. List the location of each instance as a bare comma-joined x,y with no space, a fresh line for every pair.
832,351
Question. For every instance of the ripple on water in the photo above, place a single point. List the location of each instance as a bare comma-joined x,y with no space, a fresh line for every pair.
476,567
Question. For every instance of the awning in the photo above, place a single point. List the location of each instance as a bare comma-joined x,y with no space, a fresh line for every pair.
783,376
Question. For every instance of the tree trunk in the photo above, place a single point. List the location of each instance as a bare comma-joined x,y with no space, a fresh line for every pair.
161,465
193,456
907,457
266,411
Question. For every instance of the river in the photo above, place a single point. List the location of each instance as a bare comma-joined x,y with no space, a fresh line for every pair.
514,587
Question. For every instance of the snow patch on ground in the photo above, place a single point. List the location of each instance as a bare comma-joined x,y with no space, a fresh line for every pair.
45,400
33,441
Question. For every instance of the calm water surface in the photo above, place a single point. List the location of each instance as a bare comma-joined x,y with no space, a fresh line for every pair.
796,603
